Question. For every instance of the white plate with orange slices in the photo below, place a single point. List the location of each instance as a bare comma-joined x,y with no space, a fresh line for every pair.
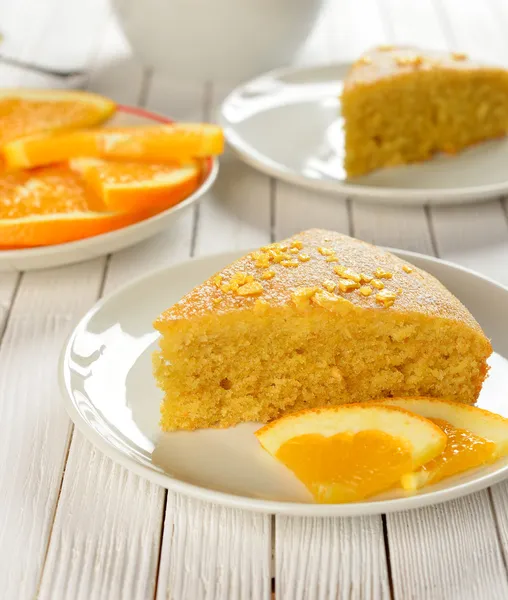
109,391
83,177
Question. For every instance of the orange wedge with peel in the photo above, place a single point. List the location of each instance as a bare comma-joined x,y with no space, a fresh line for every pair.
29,112
155,144
475,437
130,186
350,452
52,205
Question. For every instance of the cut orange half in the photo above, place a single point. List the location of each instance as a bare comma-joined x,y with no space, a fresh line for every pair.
130,186
354,451
52,205
475,437
27,112
155,144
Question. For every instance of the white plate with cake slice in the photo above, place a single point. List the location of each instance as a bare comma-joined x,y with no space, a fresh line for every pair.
110,393
288,124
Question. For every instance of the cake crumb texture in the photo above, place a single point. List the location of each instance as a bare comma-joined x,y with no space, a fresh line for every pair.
401,105
244,346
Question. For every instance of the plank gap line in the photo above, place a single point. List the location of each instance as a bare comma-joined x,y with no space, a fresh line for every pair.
161,541
273,210
350,217
8,311
498,529
432,231
55,507
387,555
146,82
504,208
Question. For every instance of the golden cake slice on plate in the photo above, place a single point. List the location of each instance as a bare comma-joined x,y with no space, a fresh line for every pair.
402,105
319,319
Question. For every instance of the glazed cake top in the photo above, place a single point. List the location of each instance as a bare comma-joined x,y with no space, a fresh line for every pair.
385,62
323,268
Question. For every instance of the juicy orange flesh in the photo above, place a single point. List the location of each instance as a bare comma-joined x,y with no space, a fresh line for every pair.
347,466
20,117
44,191
464,450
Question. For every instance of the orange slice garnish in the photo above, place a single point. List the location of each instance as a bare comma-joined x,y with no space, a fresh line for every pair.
475,437
52,205
27,112
130,186
351,452
163,143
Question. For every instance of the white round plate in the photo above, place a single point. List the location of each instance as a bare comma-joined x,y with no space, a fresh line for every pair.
109,391
72,252
287,123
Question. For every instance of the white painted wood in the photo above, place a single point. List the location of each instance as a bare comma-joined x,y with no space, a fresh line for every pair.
8,283
297,209
318,559
475,236
499,495
214,553
447,551
34,427
397,227
211,552
116,531
236,213
430,552
105,540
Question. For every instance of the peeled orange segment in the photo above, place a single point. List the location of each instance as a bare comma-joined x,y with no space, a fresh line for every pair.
130,186
350,452
475,437
52,205
26,112
162,143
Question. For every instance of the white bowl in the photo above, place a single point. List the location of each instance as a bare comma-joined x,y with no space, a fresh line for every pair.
44,257
216,39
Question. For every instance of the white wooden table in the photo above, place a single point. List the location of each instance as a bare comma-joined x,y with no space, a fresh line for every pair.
73,524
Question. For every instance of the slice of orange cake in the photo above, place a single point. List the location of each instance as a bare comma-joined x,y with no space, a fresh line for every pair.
402,105
317,320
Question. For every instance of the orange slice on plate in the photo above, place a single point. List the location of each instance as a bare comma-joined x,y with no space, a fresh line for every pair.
52,205
131,186
354,451
161,143
475,437
27,112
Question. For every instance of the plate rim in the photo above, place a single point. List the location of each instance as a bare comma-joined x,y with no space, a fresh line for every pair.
41,252
366,193
231,500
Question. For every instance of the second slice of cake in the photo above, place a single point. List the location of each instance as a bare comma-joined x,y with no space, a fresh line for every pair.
402,105
316,320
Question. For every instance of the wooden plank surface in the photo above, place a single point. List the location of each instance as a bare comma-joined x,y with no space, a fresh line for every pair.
117,536
113,535
34,429
435,538
210,551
